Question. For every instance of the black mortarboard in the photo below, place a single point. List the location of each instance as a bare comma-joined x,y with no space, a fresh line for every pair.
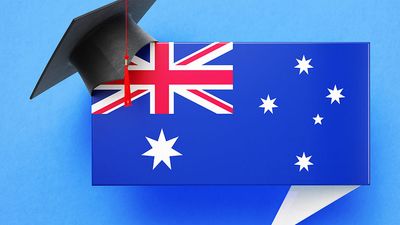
94,46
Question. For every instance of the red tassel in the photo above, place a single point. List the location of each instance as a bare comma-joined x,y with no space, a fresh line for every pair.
127,84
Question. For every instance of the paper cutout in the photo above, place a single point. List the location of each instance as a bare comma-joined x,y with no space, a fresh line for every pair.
303,201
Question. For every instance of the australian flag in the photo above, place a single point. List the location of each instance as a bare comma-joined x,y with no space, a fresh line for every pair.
236,113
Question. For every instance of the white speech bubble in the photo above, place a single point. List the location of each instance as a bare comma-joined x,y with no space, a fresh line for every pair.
303,201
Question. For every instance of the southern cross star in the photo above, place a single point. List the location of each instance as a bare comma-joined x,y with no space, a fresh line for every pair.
318,119
161,150
268,104
303,162
303,65
335,95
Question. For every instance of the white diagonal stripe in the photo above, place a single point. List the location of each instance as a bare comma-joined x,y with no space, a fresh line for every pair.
202,102
198,64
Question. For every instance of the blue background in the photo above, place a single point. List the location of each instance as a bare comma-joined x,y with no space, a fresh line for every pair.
45,170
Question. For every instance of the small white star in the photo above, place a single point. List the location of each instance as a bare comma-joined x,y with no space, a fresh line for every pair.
268,104
303,162
318,119
303,65
335,95
161,150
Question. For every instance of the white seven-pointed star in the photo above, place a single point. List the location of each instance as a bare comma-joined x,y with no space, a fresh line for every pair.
268,104
335,95
161,150
303,162
318,119
303,65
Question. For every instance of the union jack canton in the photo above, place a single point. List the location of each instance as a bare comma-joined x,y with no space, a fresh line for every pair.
162,77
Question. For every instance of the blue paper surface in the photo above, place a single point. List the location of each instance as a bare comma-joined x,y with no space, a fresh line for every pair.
46,143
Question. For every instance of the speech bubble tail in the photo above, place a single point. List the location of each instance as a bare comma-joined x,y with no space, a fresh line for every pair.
303,201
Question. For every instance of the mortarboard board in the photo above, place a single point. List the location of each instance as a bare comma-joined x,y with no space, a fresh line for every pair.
94,46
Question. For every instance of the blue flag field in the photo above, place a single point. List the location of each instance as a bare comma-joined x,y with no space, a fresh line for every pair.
236,113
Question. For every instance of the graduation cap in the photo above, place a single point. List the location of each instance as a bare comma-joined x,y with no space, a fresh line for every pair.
95,45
